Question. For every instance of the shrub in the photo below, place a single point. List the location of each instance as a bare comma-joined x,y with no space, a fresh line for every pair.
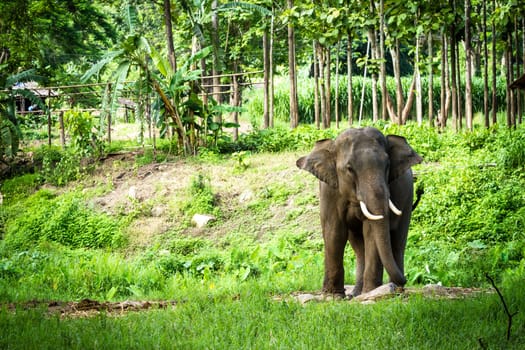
65,219
201,199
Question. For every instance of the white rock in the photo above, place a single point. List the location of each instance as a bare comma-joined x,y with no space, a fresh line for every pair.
201,220
304,298
132,192
246,196
157,211
385,290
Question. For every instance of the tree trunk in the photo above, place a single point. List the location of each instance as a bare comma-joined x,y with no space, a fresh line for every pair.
494,73
442,123
169,35
350,105
517,95
523,58
236,98
394,52
382,69
375,55
410,101
485,68
215,47
336,99
322,94
419,95
430,81
316,86
271,78
294,116
468,70
327,89
511,106
266,78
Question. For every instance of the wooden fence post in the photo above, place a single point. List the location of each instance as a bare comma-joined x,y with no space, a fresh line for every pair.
49,117
62,131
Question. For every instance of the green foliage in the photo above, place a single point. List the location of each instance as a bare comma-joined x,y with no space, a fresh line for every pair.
511,152
280,139
306,99
83,132
58,167
64,219
470,219
20,187
201,199
469,223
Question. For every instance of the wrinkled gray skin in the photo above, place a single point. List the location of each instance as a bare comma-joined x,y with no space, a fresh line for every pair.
363,165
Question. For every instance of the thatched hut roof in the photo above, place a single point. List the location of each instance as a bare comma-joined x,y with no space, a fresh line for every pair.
36,89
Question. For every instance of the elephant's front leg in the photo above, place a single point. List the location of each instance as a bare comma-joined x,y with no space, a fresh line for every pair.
358,245
334,246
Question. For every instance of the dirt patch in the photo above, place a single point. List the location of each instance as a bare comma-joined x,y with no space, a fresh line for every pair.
387,291
89,308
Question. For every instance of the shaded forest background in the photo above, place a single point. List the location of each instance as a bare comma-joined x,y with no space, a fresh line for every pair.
190,68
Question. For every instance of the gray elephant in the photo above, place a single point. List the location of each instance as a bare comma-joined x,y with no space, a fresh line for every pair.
366,193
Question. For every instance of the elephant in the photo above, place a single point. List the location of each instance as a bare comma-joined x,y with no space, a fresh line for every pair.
365,193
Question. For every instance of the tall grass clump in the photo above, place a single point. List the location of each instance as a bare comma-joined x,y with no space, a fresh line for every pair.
201,199
65,219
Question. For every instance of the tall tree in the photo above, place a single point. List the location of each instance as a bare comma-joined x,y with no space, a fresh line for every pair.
430,79
45,35
485,69
349,86
216,59
382,66
494,76
294,106
169,34
468,63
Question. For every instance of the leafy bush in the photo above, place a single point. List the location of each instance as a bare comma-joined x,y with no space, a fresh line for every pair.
511,153
58,167
83,132
65,219
20,187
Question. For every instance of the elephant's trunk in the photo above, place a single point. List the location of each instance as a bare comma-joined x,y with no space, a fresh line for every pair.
381,235
380,230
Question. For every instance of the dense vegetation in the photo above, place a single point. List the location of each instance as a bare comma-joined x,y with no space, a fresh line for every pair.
94,215
468,224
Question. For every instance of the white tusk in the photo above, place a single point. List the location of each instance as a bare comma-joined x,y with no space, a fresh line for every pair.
369,215
394,208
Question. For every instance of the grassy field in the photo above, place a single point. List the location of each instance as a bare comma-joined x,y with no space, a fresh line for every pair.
124,232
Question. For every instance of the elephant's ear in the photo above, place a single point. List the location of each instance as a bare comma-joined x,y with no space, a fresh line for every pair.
321,162
402,156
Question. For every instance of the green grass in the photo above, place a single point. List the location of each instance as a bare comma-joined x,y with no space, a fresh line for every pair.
58,245
251,319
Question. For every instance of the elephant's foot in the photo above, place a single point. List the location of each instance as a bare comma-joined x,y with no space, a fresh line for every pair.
358,289
334,296
335,293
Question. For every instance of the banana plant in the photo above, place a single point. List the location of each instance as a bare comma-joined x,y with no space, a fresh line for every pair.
9,126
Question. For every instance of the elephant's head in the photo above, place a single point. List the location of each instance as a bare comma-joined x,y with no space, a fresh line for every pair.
360,164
